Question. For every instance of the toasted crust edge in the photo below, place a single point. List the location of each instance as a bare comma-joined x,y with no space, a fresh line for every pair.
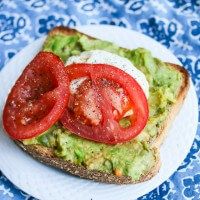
45,155
65,31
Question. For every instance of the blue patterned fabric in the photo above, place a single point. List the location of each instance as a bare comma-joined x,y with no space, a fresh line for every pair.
174,23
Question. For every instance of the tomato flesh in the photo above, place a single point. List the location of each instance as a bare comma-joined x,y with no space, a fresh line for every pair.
84,106
118,98
38,98
110,93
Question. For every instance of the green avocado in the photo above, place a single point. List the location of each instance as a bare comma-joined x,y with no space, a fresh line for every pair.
132,158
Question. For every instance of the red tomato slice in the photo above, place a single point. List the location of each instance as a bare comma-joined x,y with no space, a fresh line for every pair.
38,98
99,93
118,98
84,104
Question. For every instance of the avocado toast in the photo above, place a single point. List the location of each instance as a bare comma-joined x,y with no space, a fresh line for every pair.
134,161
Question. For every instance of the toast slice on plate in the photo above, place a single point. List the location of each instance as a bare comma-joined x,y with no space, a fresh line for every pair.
135,161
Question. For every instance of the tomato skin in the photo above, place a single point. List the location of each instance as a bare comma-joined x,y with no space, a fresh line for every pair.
38,98
109,130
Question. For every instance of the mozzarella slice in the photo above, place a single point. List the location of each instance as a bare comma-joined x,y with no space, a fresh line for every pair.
104,57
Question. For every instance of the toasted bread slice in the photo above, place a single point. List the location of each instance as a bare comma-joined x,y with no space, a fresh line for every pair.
46,155
174,109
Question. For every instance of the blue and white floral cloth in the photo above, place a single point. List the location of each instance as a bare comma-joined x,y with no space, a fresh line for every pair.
174,23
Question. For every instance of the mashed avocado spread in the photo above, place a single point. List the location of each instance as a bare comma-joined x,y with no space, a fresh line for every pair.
132,158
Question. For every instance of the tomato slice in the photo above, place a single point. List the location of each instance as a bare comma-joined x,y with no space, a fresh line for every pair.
84,106
106,89
38,98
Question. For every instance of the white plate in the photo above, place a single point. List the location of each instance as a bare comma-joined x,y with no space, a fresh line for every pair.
48,183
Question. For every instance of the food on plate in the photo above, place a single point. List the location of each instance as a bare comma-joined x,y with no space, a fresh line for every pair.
38,98
102,101
103,116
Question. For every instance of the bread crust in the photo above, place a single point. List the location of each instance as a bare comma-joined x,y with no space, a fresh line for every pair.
45,155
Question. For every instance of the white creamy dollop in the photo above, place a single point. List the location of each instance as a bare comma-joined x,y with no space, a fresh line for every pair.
104,57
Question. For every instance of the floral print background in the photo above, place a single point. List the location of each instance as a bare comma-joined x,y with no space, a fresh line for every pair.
173,23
